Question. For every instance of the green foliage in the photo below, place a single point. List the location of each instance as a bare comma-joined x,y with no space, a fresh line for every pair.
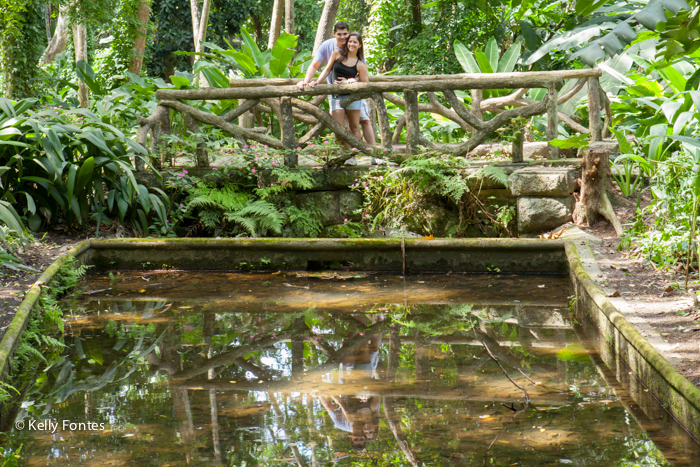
36,344
303,223
62,163
405,198
394,45
250,62
22,41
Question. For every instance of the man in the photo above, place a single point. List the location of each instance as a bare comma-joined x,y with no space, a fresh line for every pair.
340,37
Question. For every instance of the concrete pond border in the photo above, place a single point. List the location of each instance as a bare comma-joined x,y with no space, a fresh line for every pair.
624,343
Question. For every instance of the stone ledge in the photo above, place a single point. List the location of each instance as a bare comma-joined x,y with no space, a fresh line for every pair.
543,181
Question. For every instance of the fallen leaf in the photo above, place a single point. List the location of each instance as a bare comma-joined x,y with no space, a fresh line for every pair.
142,291
668,289
614,294
428,237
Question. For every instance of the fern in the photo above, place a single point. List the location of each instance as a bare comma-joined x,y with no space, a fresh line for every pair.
249,225
209,219
493,172
304,222
226,198
260,217
287,178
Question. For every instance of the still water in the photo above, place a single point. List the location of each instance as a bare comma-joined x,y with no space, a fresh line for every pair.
310,369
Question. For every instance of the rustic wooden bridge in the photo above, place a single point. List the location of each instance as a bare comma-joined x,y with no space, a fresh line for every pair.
282,99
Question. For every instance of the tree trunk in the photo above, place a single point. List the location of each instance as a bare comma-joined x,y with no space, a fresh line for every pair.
289,16
80,45
257,26
199,30
325,24
595,182
58,40
140,41
194,9
275,23
416,22
203,21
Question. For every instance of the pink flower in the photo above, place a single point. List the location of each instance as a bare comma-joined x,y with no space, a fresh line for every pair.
214,169
366,215
345,220
362,333
253,170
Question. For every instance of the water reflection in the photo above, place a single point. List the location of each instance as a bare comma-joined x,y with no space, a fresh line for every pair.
267,369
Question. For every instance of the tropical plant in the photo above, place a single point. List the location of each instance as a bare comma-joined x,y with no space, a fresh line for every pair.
67,164
282,61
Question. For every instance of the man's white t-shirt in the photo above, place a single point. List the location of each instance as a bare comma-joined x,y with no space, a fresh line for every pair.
323,55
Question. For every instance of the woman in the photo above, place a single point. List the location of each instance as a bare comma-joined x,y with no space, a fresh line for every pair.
347,66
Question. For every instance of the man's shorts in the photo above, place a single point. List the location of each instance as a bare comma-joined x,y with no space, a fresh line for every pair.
362,106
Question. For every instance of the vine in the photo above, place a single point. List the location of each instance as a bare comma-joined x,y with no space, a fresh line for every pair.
22,41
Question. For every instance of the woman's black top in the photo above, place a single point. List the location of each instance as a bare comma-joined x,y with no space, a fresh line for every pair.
343,71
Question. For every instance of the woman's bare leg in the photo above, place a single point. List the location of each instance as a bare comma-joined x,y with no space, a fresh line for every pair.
339,116
354,120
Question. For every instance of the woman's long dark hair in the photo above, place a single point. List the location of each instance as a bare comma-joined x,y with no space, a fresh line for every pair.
360,51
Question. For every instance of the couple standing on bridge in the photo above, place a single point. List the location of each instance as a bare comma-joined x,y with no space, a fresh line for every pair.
345,60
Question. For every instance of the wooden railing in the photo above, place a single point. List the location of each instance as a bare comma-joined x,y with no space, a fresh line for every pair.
283,98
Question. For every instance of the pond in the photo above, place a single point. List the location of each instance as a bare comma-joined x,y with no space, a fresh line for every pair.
202,368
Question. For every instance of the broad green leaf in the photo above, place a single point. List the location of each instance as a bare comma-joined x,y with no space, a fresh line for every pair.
84,175
466,58
97,138
31,205
9,217
215,77
245,62
179,81
483,61
283,45
586,7
87,76
253,47
529,34
492,53
509,59
673,78
144,199
70,184
623,144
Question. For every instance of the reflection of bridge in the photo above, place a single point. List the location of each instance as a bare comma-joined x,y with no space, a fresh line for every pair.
284,101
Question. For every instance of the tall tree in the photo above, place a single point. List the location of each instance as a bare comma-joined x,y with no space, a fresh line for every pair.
140,41
59,39
275,23
80,46
289,16
325,25
199,29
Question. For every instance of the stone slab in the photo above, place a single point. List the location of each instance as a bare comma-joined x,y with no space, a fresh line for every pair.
537,215
543,181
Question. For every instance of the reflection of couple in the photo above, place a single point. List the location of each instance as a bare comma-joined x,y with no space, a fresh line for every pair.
345,60
358,414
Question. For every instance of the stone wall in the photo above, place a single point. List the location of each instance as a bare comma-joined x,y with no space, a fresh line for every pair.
540,191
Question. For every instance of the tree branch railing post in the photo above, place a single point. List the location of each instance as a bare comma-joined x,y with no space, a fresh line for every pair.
291,158
552,122
594,109
412,122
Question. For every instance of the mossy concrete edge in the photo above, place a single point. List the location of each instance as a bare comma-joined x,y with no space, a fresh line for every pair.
689,393
19,322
